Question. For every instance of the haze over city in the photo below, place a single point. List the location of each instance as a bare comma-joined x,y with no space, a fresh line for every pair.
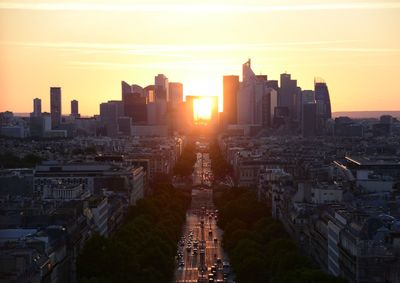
88,47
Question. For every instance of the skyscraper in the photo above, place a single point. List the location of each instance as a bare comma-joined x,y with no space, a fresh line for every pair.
134,102
246,96
309,119
74,108
287,93
255,100
322,97
109,114
37,107
55,106
161,87
175,91
230,90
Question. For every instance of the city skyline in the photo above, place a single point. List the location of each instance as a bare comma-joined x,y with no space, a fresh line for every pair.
77,46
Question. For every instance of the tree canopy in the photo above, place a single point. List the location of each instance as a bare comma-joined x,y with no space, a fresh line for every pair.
143,250
259,248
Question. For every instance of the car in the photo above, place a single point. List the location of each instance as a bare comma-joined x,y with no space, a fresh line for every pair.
181,263
219,260
215,239
210,232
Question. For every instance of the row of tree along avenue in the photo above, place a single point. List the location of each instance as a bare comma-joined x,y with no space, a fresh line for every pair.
220,168
144,248
184,165
259,248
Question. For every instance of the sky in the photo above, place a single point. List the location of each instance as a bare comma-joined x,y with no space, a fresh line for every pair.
88,47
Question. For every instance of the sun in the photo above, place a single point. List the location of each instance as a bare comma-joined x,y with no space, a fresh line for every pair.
202,109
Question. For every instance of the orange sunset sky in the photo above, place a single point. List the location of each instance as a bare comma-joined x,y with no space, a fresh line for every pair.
88,47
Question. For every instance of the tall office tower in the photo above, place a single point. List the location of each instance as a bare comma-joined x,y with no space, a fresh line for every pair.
109,113
309,119
230,91
37,107
322,98
255,100
134,103
74,108
175,91
268,104
55,106
161,87
246,96
287,93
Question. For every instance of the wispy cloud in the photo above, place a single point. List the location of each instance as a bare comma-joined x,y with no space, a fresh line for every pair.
177,49
194,8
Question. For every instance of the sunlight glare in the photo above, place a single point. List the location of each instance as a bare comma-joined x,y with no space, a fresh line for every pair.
202,109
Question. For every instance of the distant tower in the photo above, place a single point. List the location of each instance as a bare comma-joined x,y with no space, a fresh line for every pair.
175,91
230,90
161,87
55,106
322,98
37,107
309,119
74,108
287,93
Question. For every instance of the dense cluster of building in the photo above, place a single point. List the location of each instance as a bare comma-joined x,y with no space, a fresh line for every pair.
154,110
259,103
338,197
334,184
48,212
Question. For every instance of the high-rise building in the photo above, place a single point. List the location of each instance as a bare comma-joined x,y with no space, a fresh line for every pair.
255,100
269,103
37,107
230,91
74,108
134,102
175,94
309,119
109,114
246,96
161,87
322,96
287,93
55,107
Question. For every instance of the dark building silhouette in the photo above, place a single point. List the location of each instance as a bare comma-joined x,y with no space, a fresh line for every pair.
161,87
55,107
134,102
309,119
75,108
135,107
287,93
323,99
230,90
109,113
37,107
